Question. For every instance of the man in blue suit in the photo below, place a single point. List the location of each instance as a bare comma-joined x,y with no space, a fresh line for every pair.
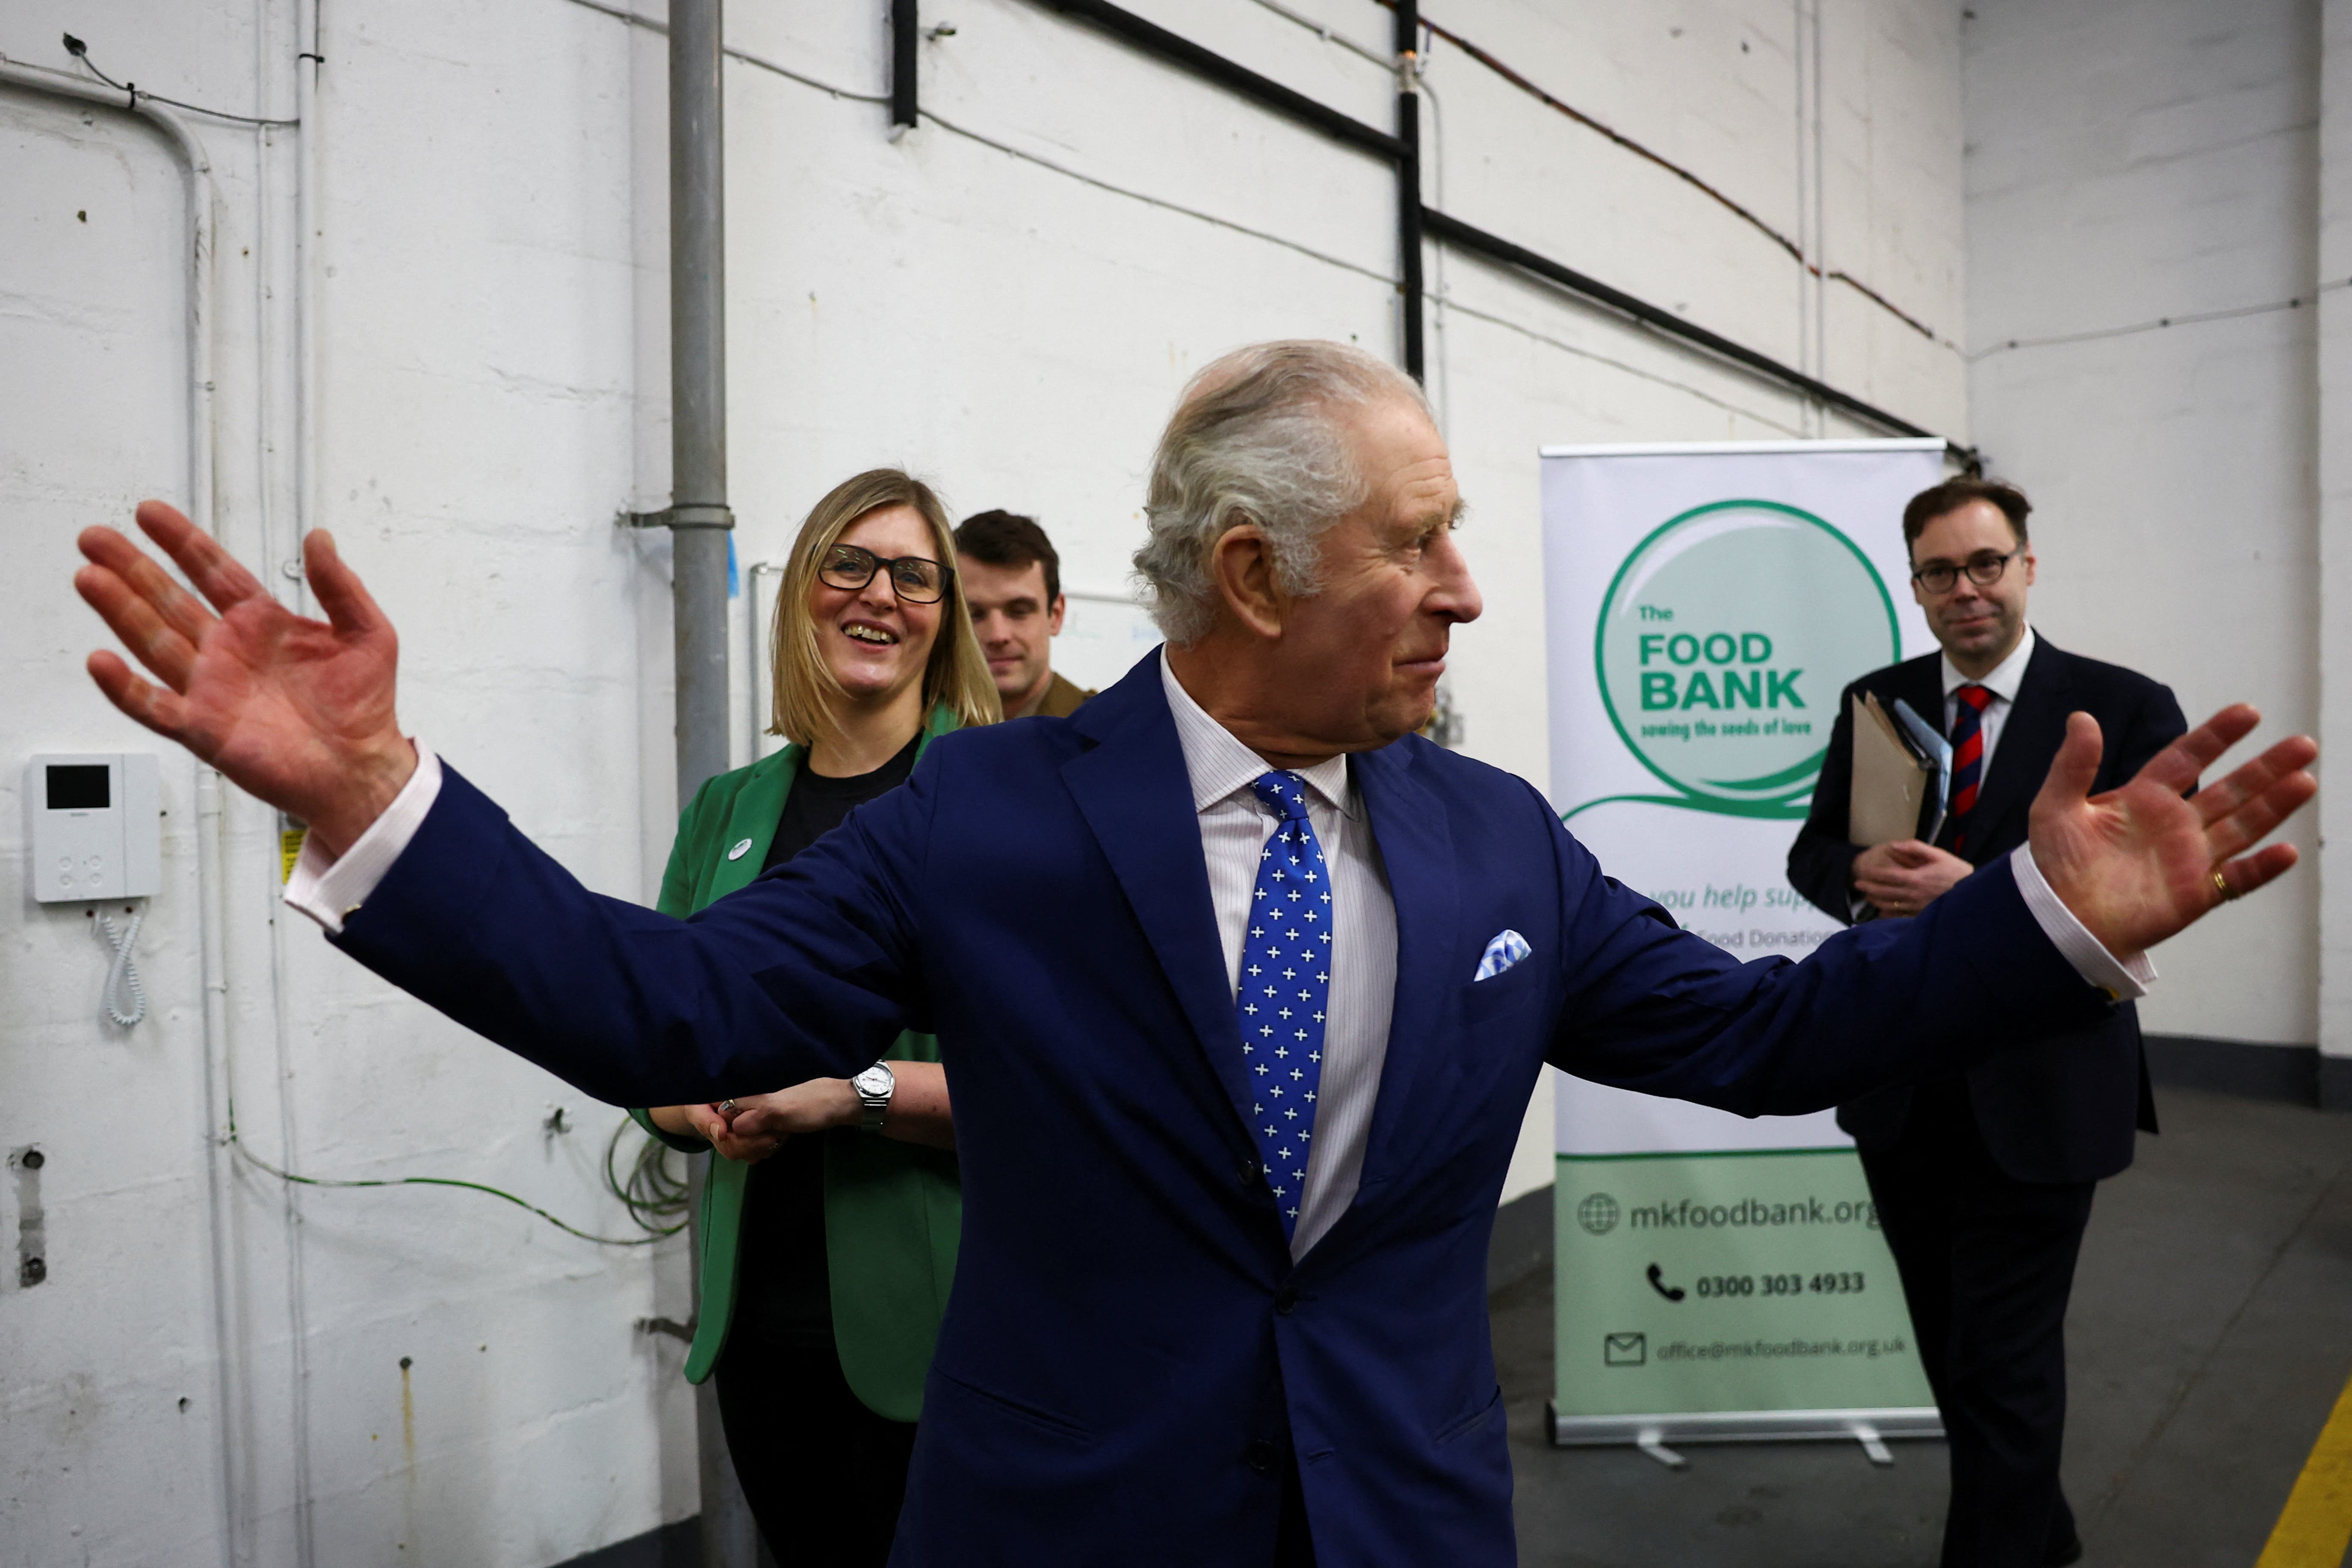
1196,1320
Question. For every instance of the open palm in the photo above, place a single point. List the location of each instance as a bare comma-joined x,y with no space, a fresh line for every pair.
294,711
2141,863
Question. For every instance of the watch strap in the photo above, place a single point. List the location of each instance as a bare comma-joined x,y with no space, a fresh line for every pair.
874,1088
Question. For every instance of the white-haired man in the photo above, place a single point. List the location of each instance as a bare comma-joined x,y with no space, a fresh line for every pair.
1237,1076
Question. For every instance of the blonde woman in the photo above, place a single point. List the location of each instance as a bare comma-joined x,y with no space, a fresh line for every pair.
832,1209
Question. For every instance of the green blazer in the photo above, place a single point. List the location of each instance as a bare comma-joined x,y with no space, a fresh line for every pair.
893,1211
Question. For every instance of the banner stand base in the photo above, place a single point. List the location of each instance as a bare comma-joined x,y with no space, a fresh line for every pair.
1650,1434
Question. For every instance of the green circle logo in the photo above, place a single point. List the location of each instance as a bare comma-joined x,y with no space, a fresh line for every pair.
1724,641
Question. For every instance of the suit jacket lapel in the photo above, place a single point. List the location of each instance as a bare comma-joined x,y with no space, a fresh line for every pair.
1416,846
2029,738
753,820
1135,795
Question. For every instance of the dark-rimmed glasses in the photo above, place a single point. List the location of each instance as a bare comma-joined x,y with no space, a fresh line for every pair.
1984,569
918,579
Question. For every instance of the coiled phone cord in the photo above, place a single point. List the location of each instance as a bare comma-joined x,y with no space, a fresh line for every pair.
123,988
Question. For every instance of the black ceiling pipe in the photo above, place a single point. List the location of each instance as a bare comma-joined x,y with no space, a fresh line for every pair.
1154,40
1408,114
905,33
1455,232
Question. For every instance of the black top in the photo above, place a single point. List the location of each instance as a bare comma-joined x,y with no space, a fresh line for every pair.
2056,1107
784,1288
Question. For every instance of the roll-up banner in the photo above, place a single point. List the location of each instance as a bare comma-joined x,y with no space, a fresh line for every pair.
1719,1276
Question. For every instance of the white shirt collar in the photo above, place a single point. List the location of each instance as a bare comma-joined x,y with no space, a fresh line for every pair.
1220,766
2003,680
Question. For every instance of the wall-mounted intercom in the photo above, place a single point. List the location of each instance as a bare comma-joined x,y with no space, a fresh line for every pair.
93,824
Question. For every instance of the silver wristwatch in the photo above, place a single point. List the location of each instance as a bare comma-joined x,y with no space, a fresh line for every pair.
874,1086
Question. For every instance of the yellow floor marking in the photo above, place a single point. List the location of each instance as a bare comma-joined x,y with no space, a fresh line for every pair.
2315,1526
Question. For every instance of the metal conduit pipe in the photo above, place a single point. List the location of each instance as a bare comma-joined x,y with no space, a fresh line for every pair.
904,104
310,58
203,435
237,1501
1407,112
200,202
699,520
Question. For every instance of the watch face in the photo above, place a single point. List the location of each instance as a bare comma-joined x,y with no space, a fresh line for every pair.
875,1080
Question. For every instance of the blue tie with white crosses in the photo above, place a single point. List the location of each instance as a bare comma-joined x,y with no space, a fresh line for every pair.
1285,990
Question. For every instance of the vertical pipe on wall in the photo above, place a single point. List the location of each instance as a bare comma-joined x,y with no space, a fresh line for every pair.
236,1543
308,227
698,520
1409,245
202,436
1812,300
1434,147
230,1385
308,57
200,219
905,34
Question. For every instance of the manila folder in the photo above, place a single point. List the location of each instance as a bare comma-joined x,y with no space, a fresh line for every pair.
1889,781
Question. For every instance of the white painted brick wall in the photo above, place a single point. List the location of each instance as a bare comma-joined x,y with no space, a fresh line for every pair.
491,301
2335,440
2127,163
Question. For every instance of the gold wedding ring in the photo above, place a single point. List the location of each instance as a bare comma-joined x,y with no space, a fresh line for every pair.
2221,885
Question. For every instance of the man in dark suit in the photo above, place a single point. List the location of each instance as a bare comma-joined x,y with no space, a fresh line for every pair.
1194,1319
1983,1178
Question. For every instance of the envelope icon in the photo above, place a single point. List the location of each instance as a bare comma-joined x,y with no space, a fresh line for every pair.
1625,1350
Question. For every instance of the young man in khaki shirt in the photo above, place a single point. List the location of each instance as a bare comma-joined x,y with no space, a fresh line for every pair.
1012,581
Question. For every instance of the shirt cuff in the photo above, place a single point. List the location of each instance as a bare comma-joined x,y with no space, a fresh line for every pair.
2121,978
328,890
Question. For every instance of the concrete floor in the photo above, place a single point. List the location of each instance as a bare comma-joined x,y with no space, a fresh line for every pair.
2211,1333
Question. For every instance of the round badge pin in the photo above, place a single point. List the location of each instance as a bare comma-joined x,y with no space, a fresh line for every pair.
740,850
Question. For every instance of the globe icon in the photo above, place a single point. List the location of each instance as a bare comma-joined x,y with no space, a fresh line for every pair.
1597,1214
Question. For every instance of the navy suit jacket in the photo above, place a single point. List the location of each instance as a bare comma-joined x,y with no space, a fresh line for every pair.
2057,1106
1129,1350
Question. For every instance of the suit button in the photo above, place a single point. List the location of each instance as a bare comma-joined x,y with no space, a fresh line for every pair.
1259,1457
1245,1172
1286,1299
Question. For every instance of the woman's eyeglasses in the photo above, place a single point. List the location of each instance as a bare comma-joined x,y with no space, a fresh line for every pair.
917,579
1984,569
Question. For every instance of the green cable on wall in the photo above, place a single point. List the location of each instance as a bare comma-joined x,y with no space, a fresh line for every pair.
651,1193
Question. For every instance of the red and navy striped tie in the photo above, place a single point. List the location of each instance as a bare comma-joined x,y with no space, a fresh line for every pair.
1967,758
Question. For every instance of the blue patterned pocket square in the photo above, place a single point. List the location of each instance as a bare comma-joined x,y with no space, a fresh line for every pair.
1508,948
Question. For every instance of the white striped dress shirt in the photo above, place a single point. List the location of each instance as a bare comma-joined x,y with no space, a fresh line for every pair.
1234,826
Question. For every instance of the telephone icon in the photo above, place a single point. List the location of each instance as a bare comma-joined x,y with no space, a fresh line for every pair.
1658,1283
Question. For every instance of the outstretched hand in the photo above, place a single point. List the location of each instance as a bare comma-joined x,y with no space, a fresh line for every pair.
2139,864
296,712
